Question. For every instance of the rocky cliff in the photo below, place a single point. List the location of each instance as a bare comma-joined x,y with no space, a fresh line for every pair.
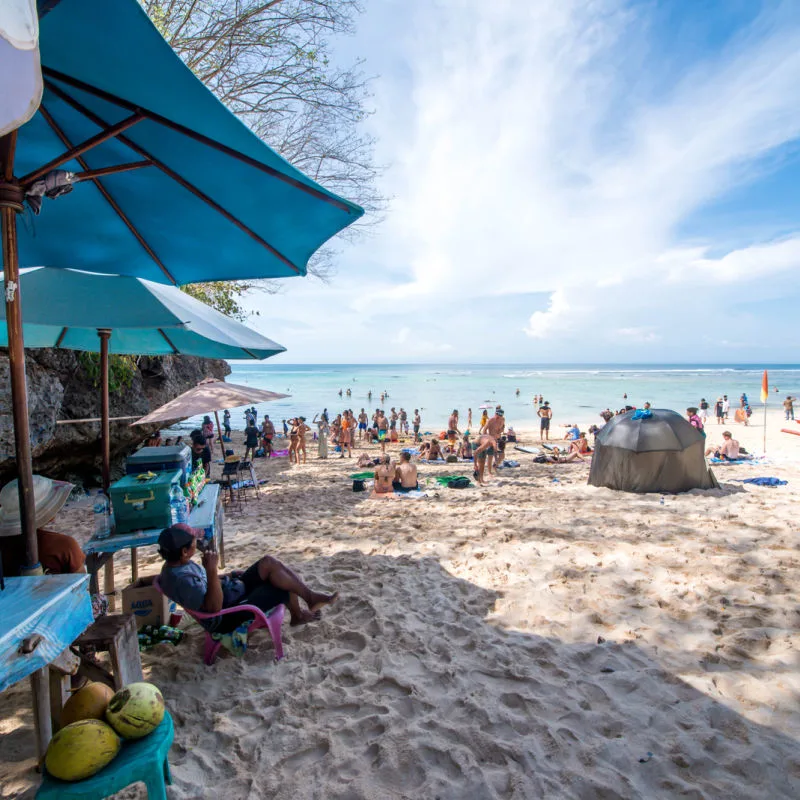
62,386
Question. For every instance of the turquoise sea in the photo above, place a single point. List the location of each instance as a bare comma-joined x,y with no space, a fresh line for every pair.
577,392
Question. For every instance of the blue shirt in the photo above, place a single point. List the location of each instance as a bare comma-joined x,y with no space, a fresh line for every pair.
187,585
574,434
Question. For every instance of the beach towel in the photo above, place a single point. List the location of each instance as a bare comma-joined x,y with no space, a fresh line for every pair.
279,453
362,476
412,451
417,494
234,642
715,460
454,481
508,464
764,481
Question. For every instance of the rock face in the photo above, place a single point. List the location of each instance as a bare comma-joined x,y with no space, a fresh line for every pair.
60,387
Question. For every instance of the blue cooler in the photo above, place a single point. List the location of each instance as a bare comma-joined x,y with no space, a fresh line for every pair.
139,505
161,459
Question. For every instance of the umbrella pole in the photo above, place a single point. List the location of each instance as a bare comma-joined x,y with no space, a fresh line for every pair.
105,435
11,198
219,433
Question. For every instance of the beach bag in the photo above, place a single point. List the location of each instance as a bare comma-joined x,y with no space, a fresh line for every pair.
452,459
461,482
358,486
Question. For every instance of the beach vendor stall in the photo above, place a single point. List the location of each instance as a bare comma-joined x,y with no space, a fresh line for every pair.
130,165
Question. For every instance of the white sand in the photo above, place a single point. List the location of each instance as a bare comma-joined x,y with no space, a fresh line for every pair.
529,639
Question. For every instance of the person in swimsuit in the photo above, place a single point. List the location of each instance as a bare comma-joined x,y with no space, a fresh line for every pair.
434,451
405,474
452,430
403,421
382,425
250,441
293,439
545,415
384,475
417,423
362,424
465,448
484,419
302,430
484,449
267,434
469,419
344,436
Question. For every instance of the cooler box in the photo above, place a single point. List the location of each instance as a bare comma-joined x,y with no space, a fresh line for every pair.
161,459
143,504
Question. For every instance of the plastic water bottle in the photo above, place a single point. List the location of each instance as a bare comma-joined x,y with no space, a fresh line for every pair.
177,504
662,500
102,516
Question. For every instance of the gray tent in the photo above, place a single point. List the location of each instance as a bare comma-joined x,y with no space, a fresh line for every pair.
659,452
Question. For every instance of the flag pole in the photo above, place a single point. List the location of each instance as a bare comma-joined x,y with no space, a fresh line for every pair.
765,427
764,398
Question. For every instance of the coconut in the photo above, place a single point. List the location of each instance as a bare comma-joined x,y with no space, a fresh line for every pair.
89,702
136,710
80,749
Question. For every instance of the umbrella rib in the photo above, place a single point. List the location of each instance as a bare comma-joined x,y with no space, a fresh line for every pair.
91,174
61,337
175,350
109,132
90,115
118,101
109,199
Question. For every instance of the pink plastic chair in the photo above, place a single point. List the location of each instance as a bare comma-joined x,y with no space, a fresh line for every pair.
272,619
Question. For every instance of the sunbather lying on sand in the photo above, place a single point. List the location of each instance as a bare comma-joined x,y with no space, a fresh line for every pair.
265,584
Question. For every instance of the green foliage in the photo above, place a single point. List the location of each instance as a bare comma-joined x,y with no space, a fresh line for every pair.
224,296
121,370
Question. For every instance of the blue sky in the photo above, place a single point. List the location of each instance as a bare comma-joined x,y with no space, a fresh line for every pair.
582,180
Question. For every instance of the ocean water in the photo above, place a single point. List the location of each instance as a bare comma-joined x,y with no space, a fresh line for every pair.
577,392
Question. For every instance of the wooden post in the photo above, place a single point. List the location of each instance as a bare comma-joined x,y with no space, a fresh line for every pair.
105,434
40,688
219,433
11,198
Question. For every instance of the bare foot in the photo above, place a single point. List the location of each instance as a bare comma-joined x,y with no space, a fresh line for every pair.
304,617
318,600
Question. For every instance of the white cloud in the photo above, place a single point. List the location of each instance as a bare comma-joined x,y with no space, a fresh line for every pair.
532,153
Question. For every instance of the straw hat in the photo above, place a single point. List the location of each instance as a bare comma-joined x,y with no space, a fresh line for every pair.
49,497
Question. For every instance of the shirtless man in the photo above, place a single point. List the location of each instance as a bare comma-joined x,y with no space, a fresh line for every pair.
403,421
545,415
434,451
393,417
496,425
382,424
405,474
452,430
417,423
728,450
362,423
384,475
485,449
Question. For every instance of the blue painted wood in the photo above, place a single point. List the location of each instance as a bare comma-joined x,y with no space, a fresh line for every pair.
57,607
202,516
138,760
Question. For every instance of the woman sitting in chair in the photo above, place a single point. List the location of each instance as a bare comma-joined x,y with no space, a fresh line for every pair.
265,584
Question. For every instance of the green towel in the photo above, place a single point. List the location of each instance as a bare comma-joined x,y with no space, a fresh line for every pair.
453,481
362,476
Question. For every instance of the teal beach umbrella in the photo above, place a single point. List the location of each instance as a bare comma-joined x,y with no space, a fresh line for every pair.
131,166
73,310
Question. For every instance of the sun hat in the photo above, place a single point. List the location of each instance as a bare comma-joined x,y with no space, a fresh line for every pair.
49,497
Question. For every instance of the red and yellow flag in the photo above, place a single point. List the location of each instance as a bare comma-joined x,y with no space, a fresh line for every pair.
764,388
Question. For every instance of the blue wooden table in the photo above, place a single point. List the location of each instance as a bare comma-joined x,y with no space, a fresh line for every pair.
207,515
40,616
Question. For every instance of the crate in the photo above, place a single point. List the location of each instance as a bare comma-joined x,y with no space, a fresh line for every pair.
139,505
161,459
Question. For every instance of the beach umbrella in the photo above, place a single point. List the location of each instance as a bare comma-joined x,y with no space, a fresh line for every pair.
164,182
20,70
209,395
74,310
656,450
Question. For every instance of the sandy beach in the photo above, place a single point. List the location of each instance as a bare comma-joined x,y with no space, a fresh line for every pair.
536,637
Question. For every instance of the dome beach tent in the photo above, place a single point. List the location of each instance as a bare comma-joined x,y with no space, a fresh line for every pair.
659,452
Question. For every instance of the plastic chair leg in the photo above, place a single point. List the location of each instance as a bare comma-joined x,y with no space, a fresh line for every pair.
274,622
156,790
211,649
